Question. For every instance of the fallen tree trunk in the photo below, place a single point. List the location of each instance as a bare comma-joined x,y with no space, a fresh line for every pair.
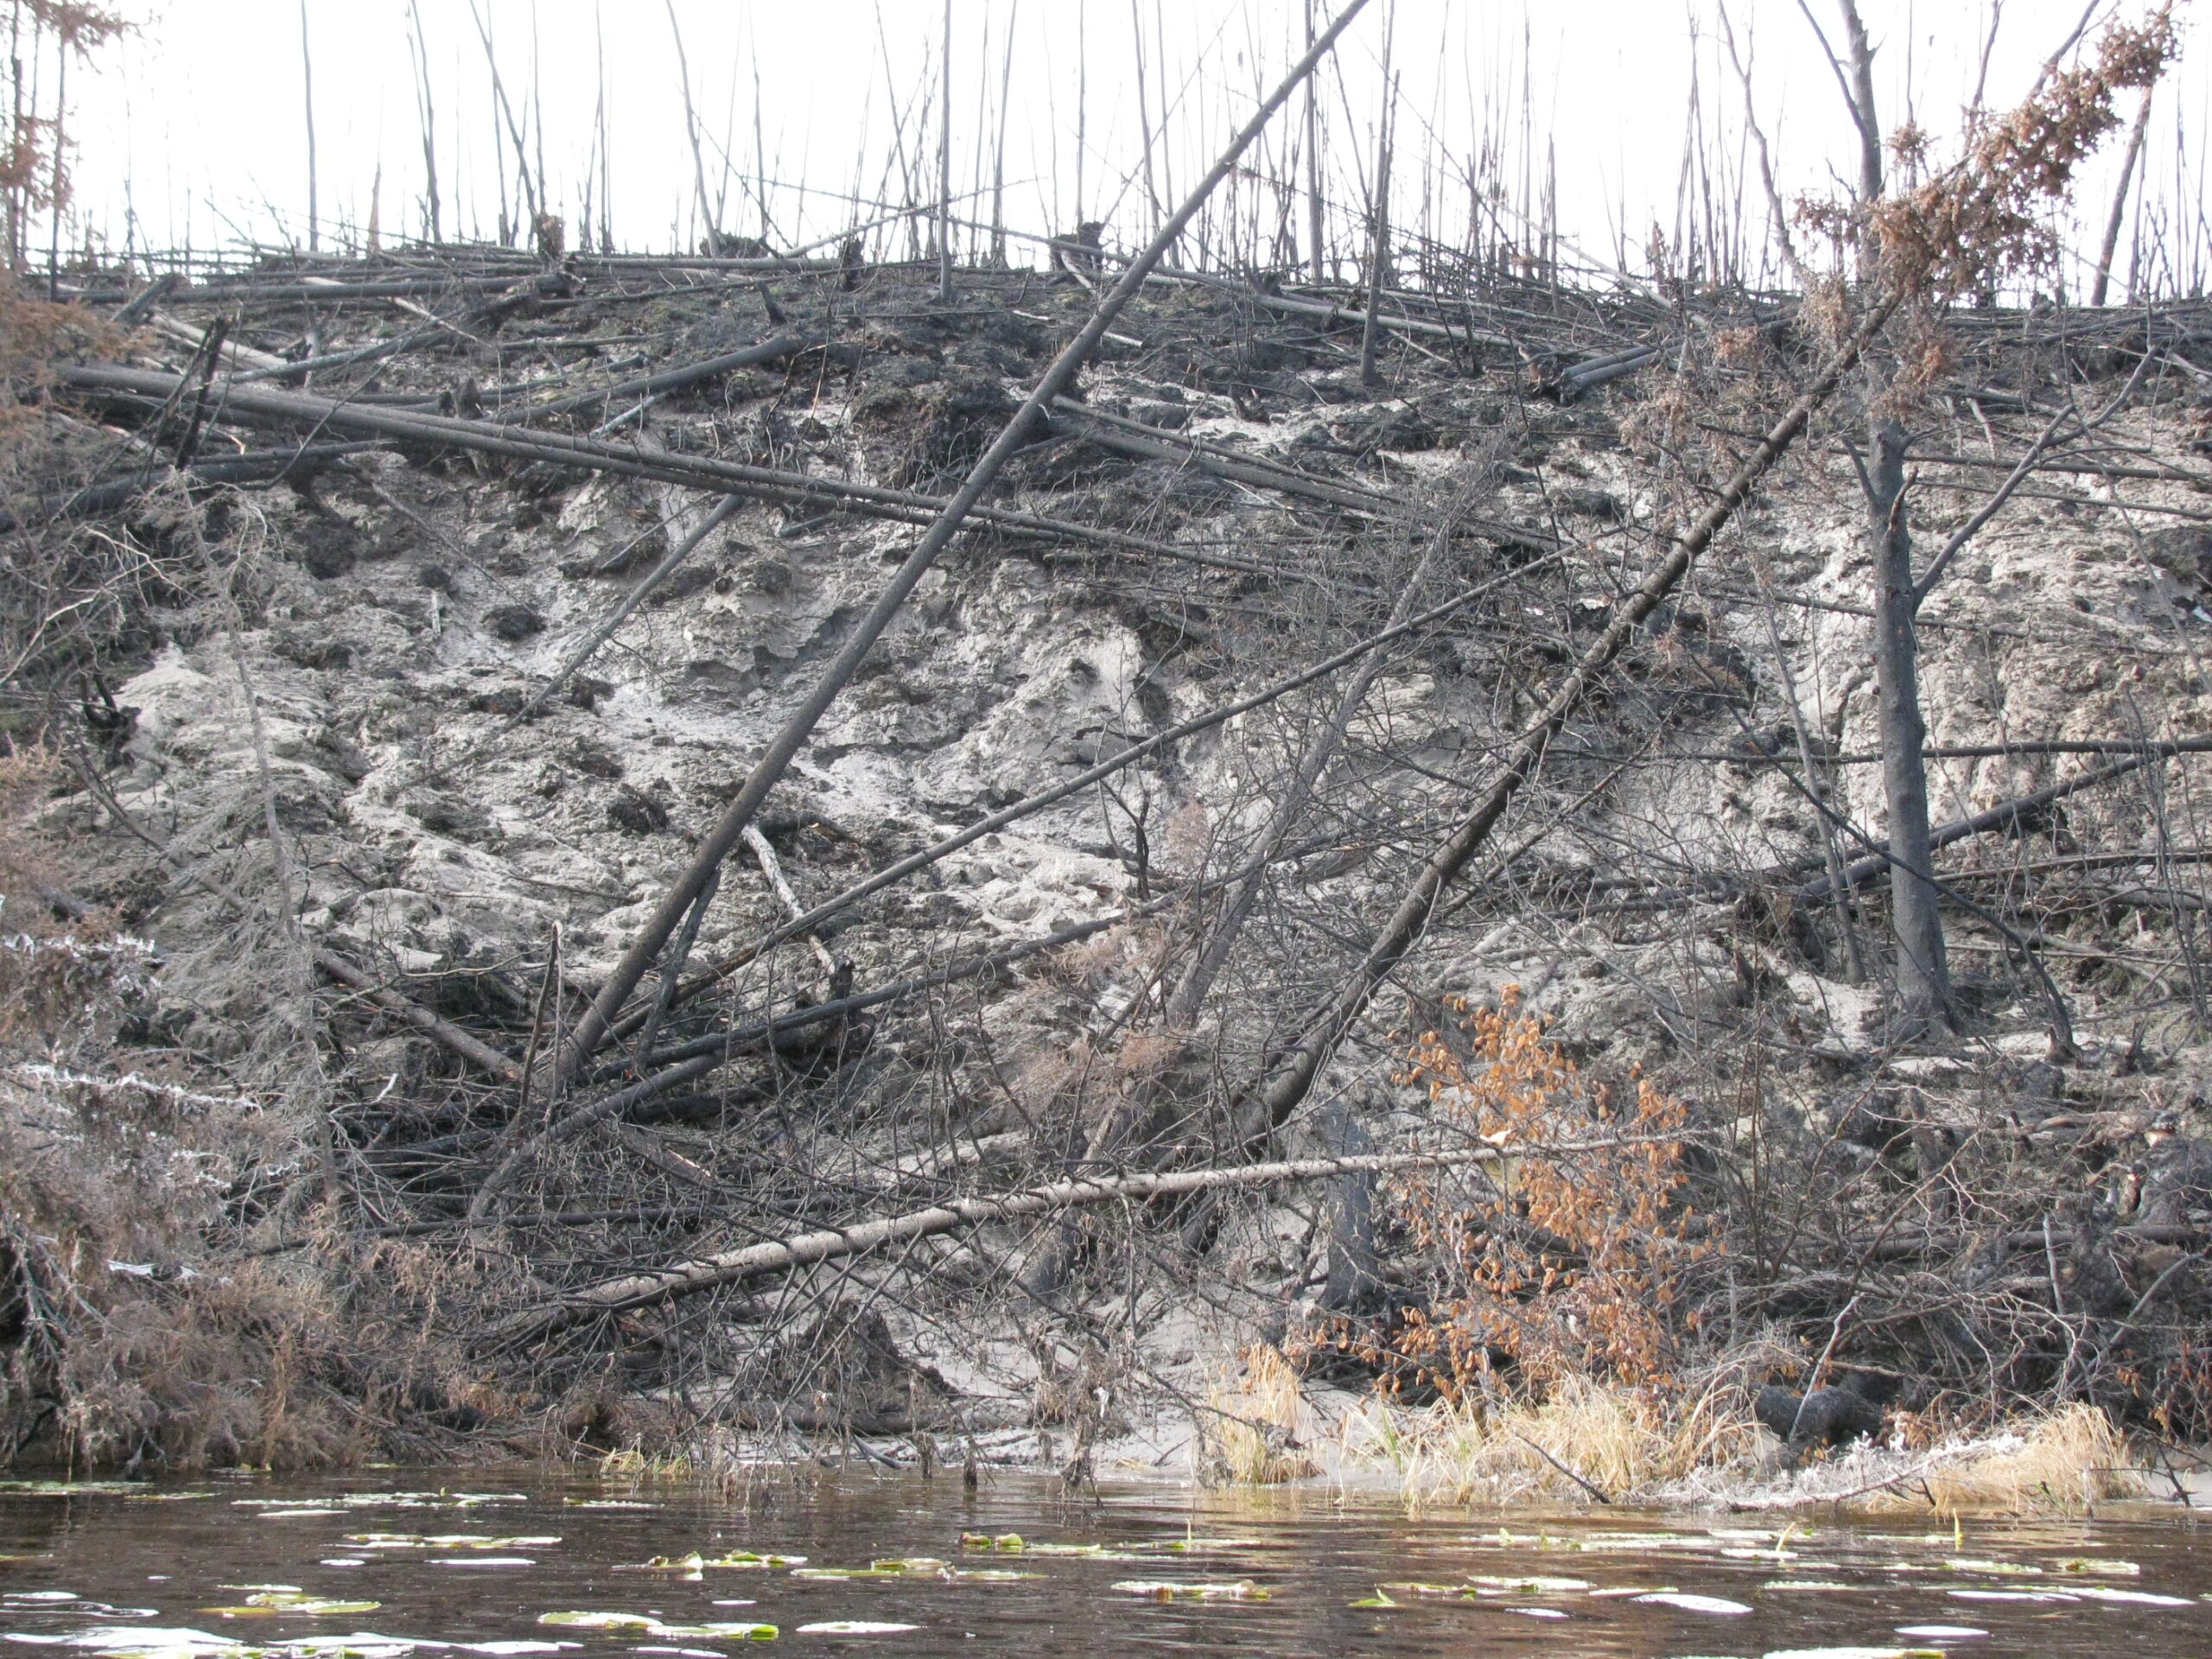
254,406
254,467
1278,1095
645,949
700,1056
1146,446
1031,804
478,1053
637,596
829,1244
670,380
2005,815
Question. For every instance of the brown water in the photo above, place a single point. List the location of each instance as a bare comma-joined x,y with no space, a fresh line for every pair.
477,1569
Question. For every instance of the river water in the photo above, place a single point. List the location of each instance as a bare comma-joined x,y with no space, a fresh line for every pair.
387,1564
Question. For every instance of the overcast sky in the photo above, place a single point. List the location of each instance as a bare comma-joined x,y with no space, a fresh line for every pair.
193,129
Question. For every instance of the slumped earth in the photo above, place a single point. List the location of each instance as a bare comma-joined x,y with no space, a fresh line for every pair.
239,1568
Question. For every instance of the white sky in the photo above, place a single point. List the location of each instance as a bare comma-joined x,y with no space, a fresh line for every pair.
192,130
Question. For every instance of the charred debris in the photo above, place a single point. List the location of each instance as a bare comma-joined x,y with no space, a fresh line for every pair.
1317,674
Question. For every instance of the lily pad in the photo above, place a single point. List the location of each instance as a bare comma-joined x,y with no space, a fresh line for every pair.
2002,1569
1856,1653
273,1604
1170,1590
986,1541
747,1558
923,1564
725,1630
649,1626
1535,1585
2103,1567
2140,1598
447,1540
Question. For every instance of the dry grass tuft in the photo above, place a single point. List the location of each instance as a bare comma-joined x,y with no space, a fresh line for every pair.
1249,1428
1617,1440
2064,1462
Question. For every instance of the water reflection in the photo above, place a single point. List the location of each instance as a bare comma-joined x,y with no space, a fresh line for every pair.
545,1563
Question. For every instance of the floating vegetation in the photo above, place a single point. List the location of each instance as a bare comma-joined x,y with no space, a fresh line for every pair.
1172,1590
742,1557
274,1603
445,1540
1013,1543
647,1624
1533,1586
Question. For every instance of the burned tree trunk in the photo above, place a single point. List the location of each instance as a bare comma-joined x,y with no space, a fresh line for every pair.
1924,982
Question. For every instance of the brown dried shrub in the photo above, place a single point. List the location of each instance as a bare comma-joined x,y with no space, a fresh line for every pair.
1544,1268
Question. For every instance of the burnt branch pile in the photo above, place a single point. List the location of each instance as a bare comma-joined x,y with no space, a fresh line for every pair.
734,842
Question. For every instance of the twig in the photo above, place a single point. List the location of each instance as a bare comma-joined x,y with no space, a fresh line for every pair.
1590,1487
